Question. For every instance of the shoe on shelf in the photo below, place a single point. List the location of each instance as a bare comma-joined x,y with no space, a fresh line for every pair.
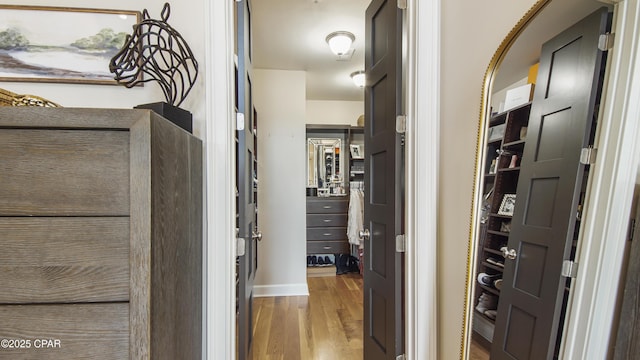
497,284
327,260
491,314
320,260
487,279
486,302
495,262
314,260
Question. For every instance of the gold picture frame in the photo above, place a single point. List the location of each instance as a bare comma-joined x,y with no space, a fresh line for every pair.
61,44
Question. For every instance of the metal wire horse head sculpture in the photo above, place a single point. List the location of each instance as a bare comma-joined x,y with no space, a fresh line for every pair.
156,52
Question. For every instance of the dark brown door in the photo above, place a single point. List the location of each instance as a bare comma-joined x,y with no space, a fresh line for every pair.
551,177
383,266
246,182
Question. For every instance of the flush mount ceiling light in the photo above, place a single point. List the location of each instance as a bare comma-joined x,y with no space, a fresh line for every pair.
340,42
358,78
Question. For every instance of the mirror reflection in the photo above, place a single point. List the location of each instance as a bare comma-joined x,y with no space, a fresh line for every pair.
324,157
530,185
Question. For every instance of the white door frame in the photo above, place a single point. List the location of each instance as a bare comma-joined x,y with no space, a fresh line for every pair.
219,153
614,177
612,183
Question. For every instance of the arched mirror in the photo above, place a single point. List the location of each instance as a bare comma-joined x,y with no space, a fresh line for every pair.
530,103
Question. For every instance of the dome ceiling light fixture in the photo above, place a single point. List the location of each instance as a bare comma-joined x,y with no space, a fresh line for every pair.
358,78
340,42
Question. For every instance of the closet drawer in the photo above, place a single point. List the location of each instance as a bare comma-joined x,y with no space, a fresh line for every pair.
55,172
83,331
326,220
326,206
314,234
327,247
64,260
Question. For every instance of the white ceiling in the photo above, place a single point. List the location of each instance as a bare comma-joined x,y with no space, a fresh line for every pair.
290,35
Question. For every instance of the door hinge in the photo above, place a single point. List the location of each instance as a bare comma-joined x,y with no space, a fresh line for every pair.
632,229
401,124
239,121
402,4
401,243
569,269
401,357
605,41
240,246
588,155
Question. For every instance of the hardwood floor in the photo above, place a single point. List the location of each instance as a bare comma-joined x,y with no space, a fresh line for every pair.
478,351
325,325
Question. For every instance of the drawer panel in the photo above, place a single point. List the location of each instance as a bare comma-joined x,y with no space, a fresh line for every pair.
324,220
64,172
314,234
55,259
326,206
327,247
84,331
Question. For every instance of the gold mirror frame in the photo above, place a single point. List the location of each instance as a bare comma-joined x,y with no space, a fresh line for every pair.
485,101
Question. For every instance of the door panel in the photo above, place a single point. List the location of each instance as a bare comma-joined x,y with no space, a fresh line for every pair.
383,302
549,186
246,157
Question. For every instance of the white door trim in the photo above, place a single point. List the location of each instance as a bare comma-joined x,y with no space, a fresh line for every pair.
422,159
613,180
220,320
422,153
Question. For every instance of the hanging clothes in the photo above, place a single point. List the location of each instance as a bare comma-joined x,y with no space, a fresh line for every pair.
355,222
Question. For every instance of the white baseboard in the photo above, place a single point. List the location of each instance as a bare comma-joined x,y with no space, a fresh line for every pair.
281,290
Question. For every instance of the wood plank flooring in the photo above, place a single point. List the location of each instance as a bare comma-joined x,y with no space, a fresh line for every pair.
325,325
477,351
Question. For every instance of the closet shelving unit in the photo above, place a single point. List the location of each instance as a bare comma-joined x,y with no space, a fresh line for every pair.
506,138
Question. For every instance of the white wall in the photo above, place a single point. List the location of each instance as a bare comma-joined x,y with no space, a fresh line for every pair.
279,98
186,16
334,112
470,34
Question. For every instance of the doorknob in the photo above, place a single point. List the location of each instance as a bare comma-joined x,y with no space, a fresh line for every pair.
257,235
508,253
364,234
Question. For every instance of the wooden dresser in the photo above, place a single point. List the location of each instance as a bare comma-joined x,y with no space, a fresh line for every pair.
327,225
101,234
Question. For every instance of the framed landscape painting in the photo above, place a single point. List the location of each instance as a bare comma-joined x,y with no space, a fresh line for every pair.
66,45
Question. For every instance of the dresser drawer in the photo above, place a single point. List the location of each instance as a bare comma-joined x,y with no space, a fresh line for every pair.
76,331
327,247
326,206
314,234
62,260
64,172
326,220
